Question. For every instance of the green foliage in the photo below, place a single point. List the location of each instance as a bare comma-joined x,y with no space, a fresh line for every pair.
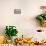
11,31
41,17
45,16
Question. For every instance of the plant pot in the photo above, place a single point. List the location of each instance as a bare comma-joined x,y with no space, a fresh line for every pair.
43,23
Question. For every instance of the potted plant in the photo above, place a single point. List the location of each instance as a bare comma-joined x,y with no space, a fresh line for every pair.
42,17
10,31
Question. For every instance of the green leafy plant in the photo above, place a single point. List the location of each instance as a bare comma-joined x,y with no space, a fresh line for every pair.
41,17
11,31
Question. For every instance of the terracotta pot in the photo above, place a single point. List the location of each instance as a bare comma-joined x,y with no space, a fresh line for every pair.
43,23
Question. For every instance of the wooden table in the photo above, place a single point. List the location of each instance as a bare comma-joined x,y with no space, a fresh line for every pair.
25,44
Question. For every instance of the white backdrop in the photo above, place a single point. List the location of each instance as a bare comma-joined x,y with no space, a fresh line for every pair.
25,22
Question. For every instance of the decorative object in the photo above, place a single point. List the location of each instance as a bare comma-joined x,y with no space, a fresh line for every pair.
10,31
42,17
23,40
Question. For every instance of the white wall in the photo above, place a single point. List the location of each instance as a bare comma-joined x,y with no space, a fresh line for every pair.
25,22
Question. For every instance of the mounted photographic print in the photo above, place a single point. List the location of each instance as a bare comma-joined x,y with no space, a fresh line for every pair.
17,11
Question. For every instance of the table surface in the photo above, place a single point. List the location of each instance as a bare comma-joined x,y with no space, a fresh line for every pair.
30,45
